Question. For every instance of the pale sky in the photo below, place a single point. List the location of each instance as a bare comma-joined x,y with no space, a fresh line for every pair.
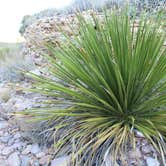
12,11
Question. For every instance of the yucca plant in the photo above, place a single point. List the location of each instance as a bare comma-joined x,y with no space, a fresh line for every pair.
112,82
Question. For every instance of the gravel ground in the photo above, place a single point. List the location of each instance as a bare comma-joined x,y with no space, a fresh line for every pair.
19,148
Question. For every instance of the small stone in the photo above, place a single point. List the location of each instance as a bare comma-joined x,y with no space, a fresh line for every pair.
8,106
138,142
14,160
27,149
10,142
6,134
2,113
17,145
44,160
18,90
4,94
36,71
61,161
25,160
22,104
19,107
144,142
35,163
139,134
146,149
133,162
35,149
135,154
5,139
39,155
1,133
1,147
152,162
50,150
11,101
14,130
7,150
3,162
17,135
17,140
3,124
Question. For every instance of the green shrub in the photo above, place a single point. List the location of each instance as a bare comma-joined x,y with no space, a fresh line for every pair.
112,83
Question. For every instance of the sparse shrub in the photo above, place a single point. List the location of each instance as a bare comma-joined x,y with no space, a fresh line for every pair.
11,62
28,20
140,5
113,83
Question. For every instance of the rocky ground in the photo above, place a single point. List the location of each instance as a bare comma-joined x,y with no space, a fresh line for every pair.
17,146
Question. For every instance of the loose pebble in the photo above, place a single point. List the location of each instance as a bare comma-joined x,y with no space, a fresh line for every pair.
3,124
14,159
39,155
45,159
27,149
25,160
7,150
61,161
152,162
35,149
